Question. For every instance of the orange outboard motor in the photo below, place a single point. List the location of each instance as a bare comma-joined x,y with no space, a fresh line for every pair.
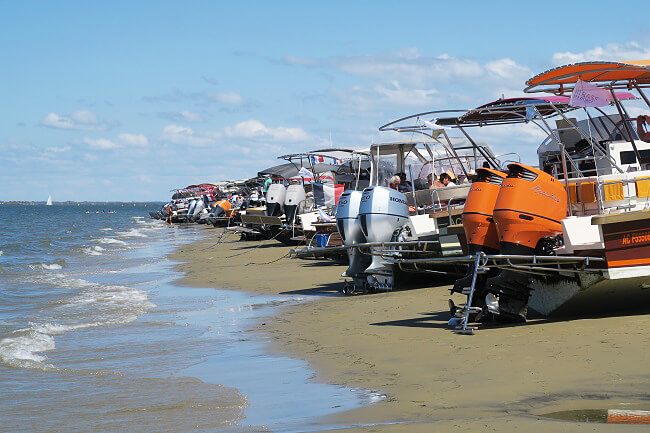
221,208
224,204
530,206
480,229
528,214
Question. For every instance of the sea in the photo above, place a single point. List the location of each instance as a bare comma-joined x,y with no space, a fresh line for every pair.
95,336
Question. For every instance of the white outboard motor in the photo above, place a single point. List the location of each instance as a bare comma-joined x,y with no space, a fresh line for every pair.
198,208
275,199
349,227
381,212
190,208
294,202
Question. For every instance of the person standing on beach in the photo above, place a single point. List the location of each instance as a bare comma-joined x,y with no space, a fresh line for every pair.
168,213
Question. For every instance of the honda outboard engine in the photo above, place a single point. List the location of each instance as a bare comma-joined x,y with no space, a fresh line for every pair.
198,208
190,208
381,212
480,228
275,199
349,227
294,202
528,212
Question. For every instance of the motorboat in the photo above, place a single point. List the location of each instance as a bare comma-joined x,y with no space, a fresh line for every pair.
573,232
386,231
303,189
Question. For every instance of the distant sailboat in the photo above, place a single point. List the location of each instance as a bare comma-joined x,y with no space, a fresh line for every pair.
49,200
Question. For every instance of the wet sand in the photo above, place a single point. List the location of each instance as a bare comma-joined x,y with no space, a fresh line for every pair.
398,344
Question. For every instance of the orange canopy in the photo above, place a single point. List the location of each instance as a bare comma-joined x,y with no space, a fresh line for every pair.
594,72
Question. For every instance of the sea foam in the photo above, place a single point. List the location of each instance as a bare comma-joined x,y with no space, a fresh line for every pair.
111,241
93,306
132,233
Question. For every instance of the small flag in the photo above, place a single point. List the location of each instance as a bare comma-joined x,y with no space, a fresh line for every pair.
327,194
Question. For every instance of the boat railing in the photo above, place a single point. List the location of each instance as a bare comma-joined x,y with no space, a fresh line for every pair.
609,194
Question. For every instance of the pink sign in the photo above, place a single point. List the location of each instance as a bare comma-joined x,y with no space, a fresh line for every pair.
587,95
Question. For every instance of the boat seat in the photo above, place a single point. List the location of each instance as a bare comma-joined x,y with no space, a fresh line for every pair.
573,193
588,192
642,184
613,191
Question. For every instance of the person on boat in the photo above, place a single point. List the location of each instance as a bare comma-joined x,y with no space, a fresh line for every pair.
404,185
436,183
445,179
267,184
643,134
394,182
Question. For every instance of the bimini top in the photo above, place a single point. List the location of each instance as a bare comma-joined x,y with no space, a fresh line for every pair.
510,110
616,74
517,110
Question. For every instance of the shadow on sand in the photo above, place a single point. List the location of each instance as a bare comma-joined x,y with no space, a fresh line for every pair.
439,319
328,289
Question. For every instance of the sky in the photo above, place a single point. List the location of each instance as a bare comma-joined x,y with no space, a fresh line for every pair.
124,100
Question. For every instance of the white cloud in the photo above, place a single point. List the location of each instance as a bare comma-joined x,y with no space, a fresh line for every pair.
405,78
124,139
57,149
229,98
101,143
199,98
254,129
611,52
178,134
79,120
406,65
133,139
380,97
190,116
508,70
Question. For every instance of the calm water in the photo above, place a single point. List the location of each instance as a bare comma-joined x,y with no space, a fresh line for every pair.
94,336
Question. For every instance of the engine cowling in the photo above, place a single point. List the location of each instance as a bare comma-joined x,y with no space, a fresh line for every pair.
294,202
349,227
478,221
275,199
381,211
530,207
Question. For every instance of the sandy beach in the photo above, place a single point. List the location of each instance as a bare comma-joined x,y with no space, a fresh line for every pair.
398,344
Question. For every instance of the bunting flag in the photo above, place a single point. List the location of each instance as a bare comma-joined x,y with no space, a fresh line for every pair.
587,95
320,159
327,194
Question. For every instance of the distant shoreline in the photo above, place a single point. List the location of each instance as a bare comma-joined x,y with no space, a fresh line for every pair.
85,203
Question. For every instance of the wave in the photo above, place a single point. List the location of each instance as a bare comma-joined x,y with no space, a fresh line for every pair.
23,348
106,229
95,250
111,241
55,266
132,233
1,252
93,306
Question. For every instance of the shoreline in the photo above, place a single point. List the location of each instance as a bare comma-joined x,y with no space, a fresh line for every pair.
398,344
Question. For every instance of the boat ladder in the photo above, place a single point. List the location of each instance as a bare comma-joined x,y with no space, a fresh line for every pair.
460,322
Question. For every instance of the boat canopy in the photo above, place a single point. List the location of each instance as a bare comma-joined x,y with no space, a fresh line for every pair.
517,110
611,74
289,170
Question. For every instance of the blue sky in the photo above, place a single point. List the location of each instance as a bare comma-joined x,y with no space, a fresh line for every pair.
127,100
